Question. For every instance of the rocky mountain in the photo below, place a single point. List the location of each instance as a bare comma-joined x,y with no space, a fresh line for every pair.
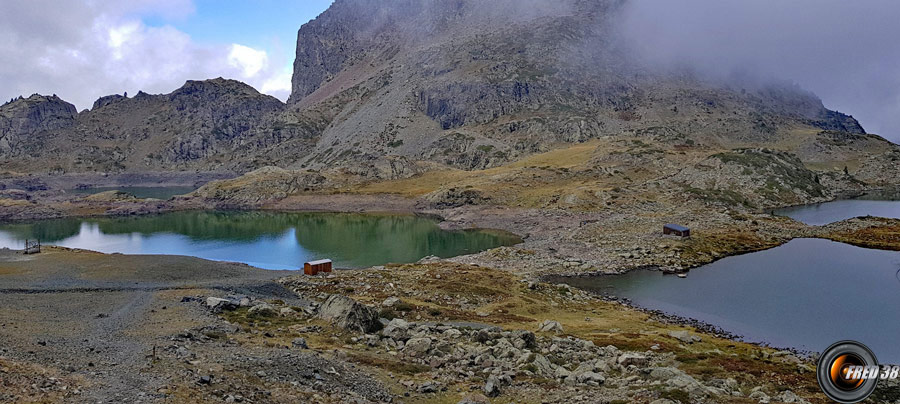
22,117
202,125
393,88
473,84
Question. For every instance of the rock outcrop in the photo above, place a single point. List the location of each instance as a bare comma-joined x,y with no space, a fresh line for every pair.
349,314
24,118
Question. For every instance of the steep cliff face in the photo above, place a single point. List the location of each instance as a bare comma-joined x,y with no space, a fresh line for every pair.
389,89
23,118
472,84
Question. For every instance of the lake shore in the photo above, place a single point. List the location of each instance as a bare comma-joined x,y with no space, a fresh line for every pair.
194,348
94,330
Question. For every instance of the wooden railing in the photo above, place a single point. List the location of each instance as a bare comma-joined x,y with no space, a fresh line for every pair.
32,246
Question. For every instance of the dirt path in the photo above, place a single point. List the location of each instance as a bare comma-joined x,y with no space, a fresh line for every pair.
100,317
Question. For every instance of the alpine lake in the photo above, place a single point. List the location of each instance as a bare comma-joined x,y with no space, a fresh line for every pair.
266,240
805,294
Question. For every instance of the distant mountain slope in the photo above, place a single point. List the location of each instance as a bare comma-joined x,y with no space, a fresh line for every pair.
389,89
214,124
473,84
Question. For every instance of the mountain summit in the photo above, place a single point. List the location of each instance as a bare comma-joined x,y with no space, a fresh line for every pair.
393,88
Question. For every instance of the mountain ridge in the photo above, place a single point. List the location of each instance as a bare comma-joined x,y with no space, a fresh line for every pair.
395,89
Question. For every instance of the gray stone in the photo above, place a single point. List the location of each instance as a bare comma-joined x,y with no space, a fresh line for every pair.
349,314
492,387
684,336
550,326
635,359
417,347
390,302
300,343
760,397
263,310
397,329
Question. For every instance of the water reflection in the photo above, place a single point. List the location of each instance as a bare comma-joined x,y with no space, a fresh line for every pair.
805,294
829,212
266,240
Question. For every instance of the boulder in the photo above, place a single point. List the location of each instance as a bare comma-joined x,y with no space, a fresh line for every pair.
452,333
349,314
524,338
300,343
635,359
397,329
760,397
550,326
492,387
390,302
417,347
684,337
543,366
216,302
263,310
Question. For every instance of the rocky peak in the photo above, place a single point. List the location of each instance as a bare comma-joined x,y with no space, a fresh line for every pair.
350,30
107,100
23,117
37,112
215,88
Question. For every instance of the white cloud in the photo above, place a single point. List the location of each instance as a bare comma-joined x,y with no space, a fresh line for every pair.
82,50
279,85
250,60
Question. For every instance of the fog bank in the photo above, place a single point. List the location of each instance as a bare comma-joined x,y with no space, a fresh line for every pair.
848,53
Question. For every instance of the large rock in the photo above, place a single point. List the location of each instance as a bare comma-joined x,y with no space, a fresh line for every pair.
684,336
397,329
550,326
417,347
263,310
636,359
347,313
492,387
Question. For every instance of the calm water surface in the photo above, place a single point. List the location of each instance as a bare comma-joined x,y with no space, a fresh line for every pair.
261,239
830,212
806,294
140,192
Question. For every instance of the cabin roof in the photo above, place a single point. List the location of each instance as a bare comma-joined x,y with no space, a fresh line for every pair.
319,262
676,227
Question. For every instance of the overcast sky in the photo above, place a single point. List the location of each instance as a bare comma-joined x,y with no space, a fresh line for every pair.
84,49
847,52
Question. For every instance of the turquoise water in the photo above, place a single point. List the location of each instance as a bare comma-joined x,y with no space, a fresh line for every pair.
263,239
806,294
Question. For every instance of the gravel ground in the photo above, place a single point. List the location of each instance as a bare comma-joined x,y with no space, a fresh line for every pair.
99,317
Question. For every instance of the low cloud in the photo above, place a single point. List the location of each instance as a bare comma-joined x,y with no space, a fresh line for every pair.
846,52
81,50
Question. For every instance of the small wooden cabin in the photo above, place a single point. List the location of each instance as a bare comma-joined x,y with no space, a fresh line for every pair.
314,267
676,230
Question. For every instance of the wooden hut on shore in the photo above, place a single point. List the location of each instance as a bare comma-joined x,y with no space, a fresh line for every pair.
314,267
676,230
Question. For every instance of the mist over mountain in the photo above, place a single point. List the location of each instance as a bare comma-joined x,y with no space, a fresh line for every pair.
395,88
843,51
